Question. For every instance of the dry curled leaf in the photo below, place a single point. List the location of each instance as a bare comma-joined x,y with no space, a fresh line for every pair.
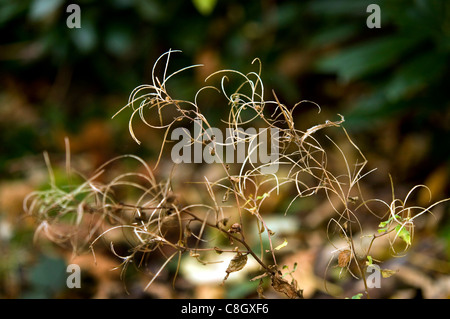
237,263
344,258
386,273
289,289
260,290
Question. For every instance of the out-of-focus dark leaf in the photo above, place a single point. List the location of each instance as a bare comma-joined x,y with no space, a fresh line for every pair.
369,57
150,10
41,9
339,7
416,74
334,35
371,109
11,9
48,276
85,38
118,40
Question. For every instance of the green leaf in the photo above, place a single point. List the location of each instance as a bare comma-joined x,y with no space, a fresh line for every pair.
357,296
383,224
284,244
403,233
205,7
387,222
262,196
289,272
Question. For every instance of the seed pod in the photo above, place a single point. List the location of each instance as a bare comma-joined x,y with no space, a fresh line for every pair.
234,179
344,258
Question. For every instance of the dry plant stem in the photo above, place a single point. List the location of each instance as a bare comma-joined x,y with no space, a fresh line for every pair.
240,240
238,205
307,172
361,271
203,221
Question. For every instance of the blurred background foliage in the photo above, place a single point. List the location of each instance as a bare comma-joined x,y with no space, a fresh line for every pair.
389,83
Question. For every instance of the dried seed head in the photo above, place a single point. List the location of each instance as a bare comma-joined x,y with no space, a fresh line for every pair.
235,228
234,179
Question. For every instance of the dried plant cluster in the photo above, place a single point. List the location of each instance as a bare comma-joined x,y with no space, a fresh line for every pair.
158,220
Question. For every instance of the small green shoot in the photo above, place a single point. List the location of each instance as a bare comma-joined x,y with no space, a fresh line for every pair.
289,272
